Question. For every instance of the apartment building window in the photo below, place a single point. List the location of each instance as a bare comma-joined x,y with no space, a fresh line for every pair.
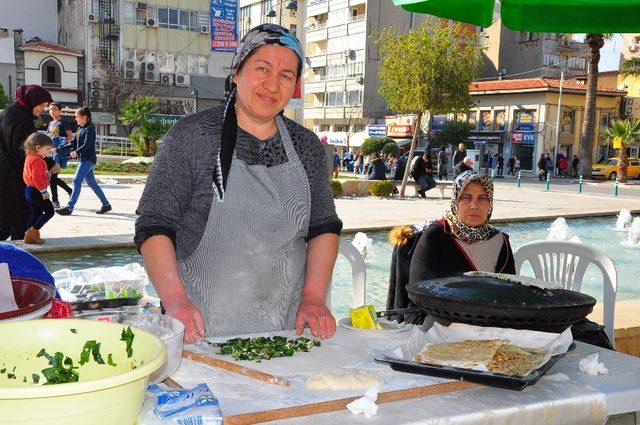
577,63
51,75
180,19
354,98
245,21
355,69
551,60
568,119
335,98
338,17
180,63
341,128
266,6
336,72
325,127
526,36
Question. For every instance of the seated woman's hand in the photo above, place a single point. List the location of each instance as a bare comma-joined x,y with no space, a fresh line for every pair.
74,155
318,316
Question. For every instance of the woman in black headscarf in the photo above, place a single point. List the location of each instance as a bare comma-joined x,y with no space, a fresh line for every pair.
16,125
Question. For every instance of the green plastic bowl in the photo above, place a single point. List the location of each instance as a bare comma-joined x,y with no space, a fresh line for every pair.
104,394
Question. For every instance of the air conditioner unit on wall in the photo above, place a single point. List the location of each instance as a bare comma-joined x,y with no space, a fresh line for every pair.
183,80
141,6
167,79
152,22
92,18
151,76
131,70
204,29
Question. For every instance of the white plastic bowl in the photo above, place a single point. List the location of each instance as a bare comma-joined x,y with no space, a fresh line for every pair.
168,329
38,314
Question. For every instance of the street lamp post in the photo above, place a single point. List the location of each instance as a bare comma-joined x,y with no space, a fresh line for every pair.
292,7
557,144
194,92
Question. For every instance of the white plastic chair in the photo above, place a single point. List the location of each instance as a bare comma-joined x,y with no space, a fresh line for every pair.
358,274
566,263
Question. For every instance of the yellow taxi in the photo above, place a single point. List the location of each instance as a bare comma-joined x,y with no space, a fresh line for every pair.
609,169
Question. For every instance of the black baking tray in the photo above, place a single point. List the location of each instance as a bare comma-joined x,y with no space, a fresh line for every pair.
486,378
104,303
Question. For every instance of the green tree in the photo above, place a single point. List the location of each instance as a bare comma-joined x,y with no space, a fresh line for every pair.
428,69
595,43
4,99
453,133
390,146
622,134
372,145
146,130
631,67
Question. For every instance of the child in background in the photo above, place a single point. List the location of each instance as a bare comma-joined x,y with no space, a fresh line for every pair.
37,147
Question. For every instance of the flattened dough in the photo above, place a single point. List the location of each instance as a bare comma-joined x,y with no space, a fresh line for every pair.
344,379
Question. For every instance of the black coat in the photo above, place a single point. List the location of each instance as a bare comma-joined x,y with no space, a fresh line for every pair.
16,125
460,168
377,170
430,255
397,168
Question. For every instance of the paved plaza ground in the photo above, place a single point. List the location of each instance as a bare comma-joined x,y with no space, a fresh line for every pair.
85,229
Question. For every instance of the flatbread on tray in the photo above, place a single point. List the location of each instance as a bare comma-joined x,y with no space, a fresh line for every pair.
466,354
515,361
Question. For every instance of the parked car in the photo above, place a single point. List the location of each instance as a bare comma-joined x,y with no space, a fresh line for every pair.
609,169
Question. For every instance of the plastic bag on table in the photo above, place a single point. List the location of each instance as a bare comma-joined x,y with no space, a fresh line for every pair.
99,283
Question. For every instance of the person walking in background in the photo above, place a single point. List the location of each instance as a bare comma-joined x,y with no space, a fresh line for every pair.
563,164
500,165
35,176
460,154
516,164
575,164
511,164
16,124
542,165
336,163
443,161
358,165
61,135
87,158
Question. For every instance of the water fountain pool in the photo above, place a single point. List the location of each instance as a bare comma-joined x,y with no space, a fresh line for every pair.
597,232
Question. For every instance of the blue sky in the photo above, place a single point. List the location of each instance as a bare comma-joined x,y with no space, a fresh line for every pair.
610,54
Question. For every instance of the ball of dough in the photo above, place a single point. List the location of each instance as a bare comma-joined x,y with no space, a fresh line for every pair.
344,379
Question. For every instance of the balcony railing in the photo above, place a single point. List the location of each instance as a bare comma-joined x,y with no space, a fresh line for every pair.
317,26
357,18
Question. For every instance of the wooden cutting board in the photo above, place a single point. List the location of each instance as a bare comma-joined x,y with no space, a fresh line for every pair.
340,404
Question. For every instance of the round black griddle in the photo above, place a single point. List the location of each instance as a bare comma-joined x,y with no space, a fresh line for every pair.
488,301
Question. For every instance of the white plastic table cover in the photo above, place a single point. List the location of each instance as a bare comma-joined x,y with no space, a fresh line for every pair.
563,396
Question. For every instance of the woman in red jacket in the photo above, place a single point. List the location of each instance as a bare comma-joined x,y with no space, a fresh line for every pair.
36,148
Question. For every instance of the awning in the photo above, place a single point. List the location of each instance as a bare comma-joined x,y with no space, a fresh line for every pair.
557,16
357,139
402,142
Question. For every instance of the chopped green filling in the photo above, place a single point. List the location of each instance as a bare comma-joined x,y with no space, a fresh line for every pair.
11,376
91,348
62,370
73,331
110,360
265,348
35,378
3,370
127,337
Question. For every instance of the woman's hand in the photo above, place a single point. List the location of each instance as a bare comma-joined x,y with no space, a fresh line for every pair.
74,155
190,316
317,316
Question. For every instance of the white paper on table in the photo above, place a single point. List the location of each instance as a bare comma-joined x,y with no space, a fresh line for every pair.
7,298
553,343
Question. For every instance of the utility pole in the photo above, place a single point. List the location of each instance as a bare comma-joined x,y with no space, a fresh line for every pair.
557,145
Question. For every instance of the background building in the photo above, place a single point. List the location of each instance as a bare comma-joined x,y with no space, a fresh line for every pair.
287,13
341,85
160,48
510,52
519,117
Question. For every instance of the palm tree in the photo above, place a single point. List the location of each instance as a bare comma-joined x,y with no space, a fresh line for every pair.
595,42
622,134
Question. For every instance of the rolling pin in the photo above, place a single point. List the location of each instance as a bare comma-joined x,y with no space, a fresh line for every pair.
235,368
